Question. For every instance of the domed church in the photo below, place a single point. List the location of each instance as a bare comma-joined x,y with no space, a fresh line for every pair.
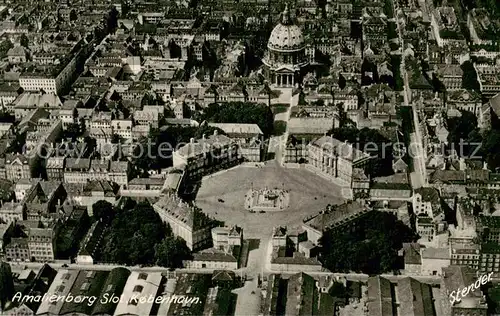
285,61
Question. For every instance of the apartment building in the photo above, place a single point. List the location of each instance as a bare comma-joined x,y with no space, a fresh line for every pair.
42,242
36,81
17,167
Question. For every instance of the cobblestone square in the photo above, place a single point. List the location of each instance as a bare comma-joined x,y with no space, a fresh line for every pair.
308,194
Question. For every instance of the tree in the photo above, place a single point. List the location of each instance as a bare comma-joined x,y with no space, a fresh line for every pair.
6,117
132,236
6,284
73,16
24,41
171,252
4,48
112,20
73,130
491,149
302,98
115,139
342,81
103,211
173,136
338,290
469,77
461,127
186,111
319,102
372,248
148,99
240,112
91,145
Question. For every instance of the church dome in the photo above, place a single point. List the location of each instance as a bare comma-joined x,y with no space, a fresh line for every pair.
286,36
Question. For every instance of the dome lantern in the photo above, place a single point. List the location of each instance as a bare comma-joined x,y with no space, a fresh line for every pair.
285,16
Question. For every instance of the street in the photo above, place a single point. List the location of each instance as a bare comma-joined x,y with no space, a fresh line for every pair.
280,142
418,177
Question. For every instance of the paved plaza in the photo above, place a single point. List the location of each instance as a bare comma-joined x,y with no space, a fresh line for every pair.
308,194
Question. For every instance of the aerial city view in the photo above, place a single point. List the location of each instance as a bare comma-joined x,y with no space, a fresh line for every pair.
250,157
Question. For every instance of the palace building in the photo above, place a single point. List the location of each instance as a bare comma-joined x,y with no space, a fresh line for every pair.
285,61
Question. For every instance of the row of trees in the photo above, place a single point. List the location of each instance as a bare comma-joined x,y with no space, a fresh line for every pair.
137,236
239,112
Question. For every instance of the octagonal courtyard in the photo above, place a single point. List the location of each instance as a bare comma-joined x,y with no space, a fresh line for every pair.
223,196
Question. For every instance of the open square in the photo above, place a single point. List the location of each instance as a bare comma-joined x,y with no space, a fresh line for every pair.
262,200
223,196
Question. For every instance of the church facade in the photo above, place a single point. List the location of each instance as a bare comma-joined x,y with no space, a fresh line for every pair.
285,61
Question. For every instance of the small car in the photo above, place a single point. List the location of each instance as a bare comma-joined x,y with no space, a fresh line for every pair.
221,200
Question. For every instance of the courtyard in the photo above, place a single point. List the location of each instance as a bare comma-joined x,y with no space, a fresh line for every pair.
223,196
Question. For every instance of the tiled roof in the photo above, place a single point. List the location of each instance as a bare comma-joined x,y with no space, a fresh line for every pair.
214,255
379,297
118,166
415,298
204,145
223,275
335,214
412,253
192,216
300,294
436,253
428,194
78,163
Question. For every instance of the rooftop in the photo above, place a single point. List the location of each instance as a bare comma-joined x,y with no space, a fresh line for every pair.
144,284
415,298
455,277
379,296
436,253
300,294
192,216
335,214
204,145
340,149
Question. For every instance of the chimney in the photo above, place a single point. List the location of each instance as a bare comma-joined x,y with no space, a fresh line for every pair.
215,132
191,141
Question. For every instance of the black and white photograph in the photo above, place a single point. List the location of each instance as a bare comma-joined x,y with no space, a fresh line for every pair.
250,157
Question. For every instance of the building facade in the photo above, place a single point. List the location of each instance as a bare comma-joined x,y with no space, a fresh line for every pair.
285,61
336,159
